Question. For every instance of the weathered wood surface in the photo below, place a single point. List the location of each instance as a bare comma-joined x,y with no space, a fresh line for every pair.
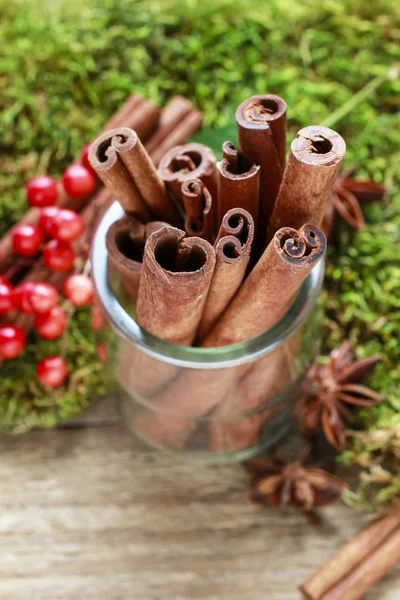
89,513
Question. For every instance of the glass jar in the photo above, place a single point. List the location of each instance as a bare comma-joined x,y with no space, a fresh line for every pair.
211,404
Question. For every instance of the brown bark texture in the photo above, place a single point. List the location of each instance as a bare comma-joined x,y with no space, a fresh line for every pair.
271,286
261,124
239,183
314,162
232,249
360,563
176,276
125,167
189,161
199,209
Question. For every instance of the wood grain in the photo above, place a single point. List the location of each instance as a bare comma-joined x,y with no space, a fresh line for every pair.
90,513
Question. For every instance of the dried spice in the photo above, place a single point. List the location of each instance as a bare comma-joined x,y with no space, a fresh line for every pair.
347,196
331,387
298,483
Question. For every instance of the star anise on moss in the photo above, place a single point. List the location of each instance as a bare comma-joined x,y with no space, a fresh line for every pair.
331,389
347,196
297,484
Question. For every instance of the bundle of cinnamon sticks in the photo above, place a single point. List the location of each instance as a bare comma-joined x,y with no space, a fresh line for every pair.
160,130
213,254
360,563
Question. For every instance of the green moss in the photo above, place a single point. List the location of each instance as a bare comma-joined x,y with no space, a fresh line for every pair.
66,66
25,403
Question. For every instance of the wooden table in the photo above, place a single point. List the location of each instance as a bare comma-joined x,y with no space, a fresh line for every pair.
88,513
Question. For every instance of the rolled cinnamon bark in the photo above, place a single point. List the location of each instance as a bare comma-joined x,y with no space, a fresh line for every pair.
315,159
233,247
123,164
178,111
239,183
138,113
261,124
189,161
197,203
176,276
271,286
125,242
183,130
235,423
359,564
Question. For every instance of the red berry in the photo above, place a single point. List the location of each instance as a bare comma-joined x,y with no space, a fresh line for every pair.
101,350
67,226
47,219
41,191
22,295
52,371
6,296
52,324
78,289
85,159
12,341
96,319
58,256
78,181
43,297
27,240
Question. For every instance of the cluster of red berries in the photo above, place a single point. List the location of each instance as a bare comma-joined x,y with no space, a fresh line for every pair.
63,226
41,300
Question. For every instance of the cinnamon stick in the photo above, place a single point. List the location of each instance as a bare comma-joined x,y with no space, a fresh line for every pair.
232,251
360,563
261,124
235,422
124,166
177,116
125,242
271,286
315,159
189,161
138,113
176,275
197,203
262,299
239,183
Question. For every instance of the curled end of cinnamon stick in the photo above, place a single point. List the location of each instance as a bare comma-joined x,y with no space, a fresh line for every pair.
103,151
235,165
169,250
257,112
319,146
229,249
125,243
189,161
239,223
304,246
197,202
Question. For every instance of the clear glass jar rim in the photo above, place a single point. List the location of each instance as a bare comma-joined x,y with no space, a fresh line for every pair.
186,356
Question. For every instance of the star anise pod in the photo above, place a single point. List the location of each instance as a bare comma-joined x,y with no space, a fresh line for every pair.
330,391
298,484
347,196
